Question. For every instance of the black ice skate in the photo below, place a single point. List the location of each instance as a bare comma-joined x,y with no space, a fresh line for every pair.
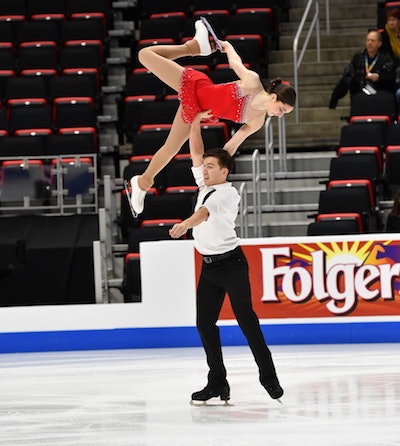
274,389
212,392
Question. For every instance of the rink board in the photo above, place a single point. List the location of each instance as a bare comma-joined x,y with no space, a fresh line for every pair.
305,291
172,337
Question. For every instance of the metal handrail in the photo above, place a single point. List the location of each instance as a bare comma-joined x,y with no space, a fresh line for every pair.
327,17
256,183
243,211
269,163
282,146
297,59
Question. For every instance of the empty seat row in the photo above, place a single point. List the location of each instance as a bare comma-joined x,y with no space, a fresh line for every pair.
46,55
343,223
67,141
148,7
373,136
381,104
177,25
78,27
30,8
357,180
365,169
370,134
278,9
36,113
343,197
49,86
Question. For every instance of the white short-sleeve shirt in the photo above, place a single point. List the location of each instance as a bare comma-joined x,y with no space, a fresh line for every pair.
217,234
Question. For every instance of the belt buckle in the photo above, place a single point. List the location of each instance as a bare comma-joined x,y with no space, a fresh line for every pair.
207,259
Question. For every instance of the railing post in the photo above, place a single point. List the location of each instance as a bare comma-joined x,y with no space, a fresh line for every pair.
98,276
269,162
243,211
256,180
282,145
328,18
109,202
298,59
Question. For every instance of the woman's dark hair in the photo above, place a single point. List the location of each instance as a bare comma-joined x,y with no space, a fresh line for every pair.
223,157
285,93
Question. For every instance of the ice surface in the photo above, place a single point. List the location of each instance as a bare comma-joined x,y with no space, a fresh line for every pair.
335,395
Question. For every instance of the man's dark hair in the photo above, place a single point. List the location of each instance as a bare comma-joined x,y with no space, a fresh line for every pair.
223,157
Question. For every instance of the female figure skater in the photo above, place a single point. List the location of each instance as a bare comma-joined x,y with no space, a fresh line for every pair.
243,101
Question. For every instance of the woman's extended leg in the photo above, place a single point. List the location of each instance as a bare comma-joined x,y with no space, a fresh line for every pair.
177,136
159,59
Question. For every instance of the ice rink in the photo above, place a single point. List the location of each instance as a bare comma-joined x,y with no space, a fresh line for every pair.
334,395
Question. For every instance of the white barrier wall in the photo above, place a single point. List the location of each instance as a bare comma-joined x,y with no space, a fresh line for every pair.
166,315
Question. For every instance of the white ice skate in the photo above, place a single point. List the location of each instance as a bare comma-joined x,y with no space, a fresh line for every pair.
135,196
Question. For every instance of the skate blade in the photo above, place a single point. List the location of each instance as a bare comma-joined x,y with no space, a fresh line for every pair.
212,33
128,197
196,403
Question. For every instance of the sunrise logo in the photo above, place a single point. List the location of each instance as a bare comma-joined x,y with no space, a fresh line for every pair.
338,274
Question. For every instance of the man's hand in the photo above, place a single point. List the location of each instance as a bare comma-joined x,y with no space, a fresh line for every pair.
205,114
374,77
178,230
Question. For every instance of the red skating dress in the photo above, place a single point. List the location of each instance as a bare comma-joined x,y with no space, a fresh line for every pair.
198,93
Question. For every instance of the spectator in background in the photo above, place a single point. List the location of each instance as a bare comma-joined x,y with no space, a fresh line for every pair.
391,45
369,71
393,219
391,33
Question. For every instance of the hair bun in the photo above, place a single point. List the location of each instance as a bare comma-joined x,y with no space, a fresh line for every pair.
273,84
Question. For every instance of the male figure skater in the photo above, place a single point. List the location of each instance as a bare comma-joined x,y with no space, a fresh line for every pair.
224,268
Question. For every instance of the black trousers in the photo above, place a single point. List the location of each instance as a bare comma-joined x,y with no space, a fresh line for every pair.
229,276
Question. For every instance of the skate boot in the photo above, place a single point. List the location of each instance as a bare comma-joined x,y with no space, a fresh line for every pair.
137,196
211,392
273,388
201,37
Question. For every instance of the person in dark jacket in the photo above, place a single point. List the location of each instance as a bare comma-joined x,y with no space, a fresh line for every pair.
391,45
369,71
391,33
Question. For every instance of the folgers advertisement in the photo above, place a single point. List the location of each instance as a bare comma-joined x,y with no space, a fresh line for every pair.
323,279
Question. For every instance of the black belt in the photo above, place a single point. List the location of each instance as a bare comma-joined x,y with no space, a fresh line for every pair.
217,257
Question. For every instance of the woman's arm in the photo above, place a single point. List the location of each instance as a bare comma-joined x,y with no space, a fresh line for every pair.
235,62
242,134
